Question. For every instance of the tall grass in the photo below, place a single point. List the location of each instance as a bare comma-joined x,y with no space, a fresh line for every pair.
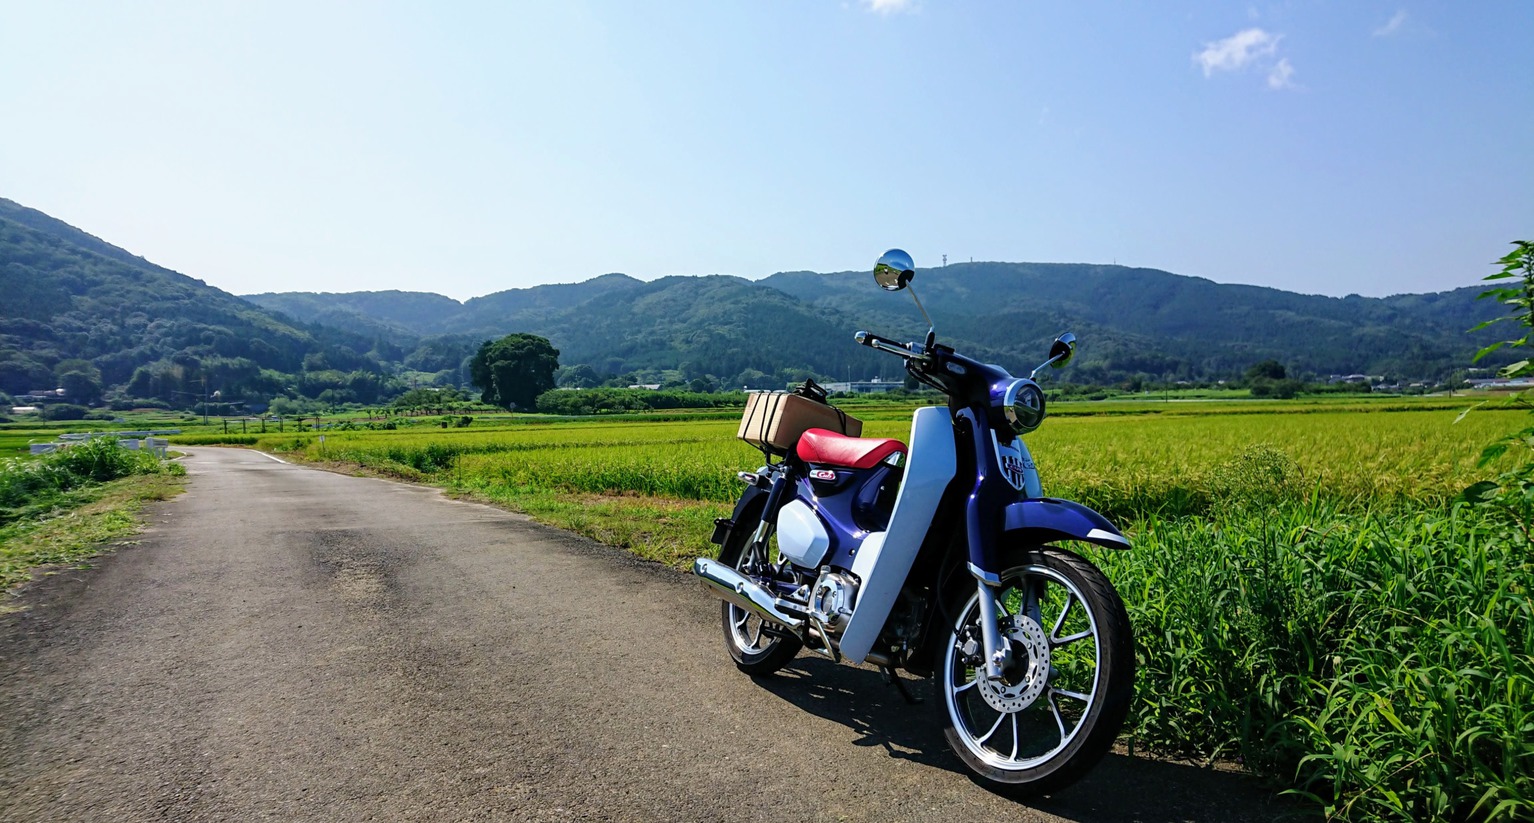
1380,660
31,487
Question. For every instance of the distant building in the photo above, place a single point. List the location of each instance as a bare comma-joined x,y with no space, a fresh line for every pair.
1502,383
41,396
874,386
650,386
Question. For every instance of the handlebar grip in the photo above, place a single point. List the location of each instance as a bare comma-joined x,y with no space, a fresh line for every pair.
872,340
875,341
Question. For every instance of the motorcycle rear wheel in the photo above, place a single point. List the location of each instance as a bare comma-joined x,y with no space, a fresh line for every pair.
1064,701
755,650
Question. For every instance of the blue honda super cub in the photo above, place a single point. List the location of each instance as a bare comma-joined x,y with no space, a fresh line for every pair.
934,557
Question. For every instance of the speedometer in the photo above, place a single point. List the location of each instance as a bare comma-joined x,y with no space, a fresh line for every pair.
1023,405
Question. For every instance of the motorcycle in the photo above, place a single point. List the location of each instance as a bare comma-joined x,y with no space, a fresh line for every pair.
936,557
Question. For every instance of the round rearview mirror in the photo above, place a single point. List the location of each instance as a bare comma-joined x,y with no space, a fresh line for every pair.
894,270
1064,347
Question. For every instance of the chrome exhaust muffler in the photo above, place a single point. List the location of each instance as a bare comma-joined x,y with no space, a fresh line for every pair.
741,591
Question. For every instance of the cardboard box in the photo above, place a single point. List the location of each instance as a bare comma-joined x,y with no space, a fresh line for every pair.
774,420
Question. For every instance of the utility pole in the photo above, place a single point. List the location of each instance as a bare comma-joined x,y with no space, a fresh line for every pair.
205,400
945,261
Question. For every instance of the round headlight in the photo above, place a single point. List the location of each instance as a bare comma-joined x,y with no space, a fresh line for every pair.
1024,406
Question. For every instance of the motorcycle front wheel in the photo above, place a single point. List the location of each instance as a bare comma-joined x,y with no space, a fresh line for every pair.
755,648
1062,701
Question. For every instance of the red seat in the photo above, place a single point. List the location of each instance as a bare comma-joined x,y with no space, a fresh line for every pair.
822,446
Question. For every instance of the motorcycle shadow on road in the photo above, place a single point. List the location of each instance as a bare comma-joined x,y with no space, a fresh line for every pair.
858,699
1121,787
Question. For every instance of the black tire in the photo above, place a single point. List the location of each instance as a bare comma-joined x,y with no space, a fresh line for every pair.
1056,737
770,652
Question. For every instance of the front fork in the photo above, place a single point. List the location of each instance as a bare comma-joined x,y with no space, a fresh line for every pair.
988,498
998,649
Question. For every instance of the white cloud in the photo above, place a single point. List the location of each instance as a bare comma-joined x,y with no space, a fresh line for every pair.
1393,25
1248,48
1279,76
889,6
1237,51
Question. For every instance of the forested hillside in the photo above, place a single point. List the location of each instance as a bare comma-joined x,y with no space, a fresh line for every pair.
1132,323
82,314
1166,325
367,313
724,331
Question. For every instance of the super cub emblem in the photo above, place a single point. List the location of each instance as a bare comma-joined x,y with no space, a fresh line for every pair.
1013,466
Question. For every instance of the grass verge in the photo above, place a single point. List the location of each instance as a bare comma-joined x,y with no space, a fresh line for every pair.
99,515
666,531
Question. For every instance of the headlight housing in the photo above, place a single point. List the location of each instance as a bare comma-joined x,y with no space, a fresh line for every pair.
1023,405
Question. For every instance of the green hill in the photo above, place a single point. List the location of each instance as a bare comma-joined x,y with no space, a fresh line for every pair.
76,305
368,313
1158,323
81,313
1130,321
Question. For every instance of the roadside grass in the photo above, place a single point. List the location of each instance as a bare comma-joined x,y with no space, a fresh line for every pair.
663,530
59,507
84,527
1379,661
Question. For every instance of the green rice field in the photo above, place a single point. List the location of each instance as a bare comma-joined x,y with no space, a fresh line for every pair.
1126,465
1308,599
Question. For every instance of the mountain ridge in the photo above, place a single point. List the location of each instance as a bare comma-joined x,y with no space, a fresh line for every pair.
76,304
1142,320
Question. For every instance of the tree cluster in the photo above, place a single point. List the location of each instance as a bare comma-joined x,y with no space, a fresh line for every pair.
611,400
513,371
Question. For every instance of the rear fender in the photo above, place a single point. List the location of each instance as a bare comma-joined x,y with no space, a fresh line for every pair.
1041,520
747,514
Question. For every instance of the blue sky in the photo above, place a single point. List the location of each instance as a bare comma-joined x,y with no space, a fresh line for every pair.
466,148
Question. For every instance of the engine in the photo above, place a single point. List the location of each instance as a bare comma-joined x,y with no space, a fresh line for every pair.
831,600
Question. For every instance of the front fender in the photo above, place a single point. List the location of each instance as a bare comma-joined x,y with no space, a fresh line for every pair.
1045,519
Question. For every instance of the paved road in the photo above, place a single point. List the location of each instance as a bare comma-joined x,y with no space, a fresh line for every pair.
291,644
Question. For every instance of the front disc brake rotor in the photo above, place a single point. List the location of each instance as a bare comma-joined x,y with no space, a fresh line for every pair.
1030,653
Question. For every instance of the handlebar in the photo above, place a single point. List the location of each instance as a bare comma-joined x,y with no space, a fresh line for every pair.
906,350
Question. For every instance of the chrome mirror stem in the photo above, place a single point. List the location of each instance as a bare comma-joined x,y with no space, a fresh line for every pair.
931,327
1040,366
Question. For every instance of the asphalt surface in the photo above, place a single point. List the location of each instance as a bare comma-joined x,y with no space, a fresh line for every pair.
285,643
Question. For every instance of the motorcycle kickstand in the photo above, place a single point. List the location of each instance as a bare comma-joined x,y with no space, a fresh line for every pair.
892,679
